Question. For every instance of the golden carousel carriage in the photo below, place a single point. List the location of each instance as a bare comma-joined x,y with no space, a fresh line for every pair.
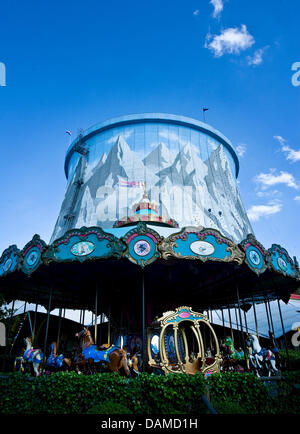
183,341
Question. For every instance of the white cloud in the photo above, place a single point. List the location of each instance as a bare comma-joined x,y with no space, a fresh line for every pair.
297,198
291,154
218,7
271,193
241,150
280,139
257,57
232,40
258,211
196,12
269,179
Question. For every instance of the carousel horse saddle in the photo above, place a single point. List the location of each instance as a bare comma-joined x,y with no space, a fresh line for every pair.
98,355
30,355
266,354
55,361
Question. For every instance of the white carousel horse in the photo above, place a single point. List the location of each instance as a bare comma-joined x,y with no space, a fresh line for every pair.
31,355
261,357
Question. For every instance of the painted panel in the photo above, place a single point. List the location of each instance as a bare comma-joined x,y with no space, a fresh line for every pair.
200,243
84,244
10,260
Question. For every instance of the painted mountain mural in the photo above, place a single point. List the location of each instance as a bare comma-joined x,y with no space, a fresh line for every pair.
186,188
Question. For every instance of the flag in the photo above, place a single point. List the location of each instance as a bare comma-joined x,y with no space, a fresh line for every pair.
205,109
69,132
130,184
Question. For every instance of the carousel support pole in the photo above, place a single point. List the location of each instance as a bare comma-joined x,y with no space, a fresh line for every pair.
121,327
267,312
47,323
238,325
246,324
255,318
100,328
241,323
59,327
272,325
109,325
83,315
96,314
143,321
223,323
231,326
25,305
10,319
209,314
34,323
283,330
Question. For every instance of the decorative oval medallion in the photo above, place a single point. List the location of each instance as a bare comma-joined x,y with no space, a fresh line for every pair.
184,314
142,248
254,257
282,264
83,248
202,248
33,257
7,264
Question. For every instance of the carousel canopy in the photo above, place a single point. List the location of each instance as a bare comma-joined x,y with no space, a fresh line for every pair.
195,266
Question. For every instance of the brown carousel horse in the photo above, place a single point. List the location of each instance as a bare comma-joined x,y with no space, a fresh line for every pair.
114,357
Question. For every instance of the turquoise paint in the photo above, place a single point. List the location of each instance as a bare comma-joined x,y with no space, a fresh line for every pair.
289,270
261,264
183,247
101,249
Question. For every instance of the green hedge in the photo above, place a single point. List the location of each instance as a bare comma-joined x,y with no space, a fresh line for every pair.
73,393
69,393
235,390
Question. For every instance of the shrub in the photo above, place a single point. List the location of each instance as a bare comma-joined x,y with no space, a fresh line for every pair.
109,407
107,393
245,390
228,406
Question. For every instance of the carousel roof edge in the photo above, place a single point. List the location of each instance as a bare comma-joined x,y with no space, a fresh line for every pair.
142,245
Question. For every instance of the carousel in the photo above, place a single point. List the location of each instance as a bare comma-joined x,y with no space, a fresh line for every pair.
156,280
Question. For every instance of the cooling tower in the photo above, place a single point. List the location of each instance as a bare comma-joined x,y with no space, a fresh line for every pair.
183,168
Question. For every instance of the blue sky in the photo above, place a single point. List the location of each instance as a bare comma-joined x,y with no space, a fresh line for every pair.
70,65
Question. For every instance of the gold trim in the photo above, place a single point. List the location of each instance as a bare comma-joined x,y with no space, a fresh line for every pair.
166,247
169,319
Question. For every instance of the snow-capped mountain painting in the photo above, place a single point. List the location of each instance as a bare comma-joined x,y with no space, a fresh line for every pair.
192,190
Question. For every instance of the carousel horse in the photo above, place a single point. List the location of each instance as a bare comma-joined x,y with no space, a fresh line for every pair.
231,357
55,362
114,357
261,357
30,356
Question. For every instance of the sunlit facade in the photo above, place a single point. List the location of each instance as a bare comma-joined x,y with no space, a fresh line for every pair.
187,169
